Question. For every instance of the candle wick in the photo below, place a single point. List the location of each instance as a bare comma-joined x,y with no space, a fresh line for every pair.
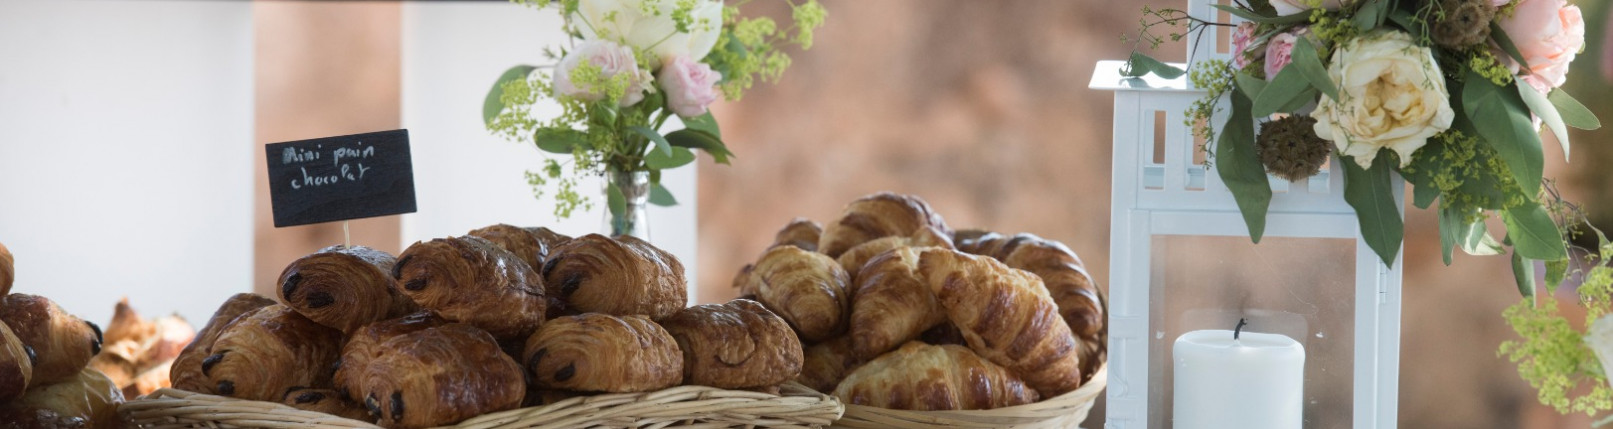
1239,329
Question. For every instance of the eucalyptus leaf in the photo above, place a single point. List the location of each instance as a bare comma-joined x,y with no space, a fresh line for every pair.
1305,98
1450,226
615,201
494,103
1476,240
1310,66
1262,19
1505,42
1523,271
559,140
1547,112
1240,168
1556,271
1503,121
1370,193
1407,21
660,142
696,139
1574,114
705,123
1250,85
655,176
1370,15
658,161
1533,233
1423,194
660,196
1141,64
1289,85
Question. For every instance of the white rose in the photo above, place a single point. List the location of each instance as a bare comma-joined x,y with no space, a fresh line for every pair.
647,25
1393,96
612,59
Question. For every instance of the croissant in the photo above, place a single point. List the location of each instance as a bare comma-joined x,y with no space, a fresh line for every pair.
118,361
268,351
524,243
87,396
874,216
325,401
735,345
620,276
923,377
16,365
127,325
149,381
943,334
1078,299
597,352
927,236
894,304
63,343
470,280
800,232
1007,317
8,270
977,241
344,287
186,372
364,345
824,364
807,289
439,376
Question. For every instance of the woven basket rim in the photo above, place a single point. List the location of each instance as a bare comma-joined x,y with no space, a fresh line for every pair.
1045,413
795,406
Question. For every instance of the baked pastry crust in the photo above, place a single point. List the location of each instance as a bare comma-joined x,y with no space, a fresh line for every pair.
800,232
438,376
619,276
186,371
854,259
925,377
268,351
735,345
63,343
894,304
825,364
808,289
598,352
16,365
523,242
8,270
87,396
879,215
325,401
471,280
344,287
364,346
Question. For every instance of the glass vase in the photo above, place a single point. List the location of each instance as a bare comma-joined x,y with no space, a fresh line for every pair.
633,219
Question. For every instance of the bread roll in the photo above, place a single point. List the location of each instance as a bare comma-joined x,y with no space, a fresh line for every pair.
344,287
735,345
63,343
807,289
86,396
923,377
265,352
471,280
598,352
619,276
186,372
879,215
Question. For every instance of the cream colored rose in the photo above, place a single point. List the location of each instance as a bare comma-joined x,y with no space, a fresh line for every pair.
1392,95
648,25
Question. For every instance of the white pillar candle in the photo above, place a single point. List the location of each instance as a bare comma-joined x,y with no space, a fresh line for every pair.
1253,382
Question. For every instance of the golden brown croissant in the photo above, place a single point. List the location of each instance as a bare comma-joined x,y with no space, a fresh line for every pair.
800,232
943,334
1007,317
270,350
825,364
8,270
894,304
128,325
186,372
1077,296
364,345
86,395
344,287
807,289
325,401
523,242
924,377
597,352
149,381
620,276
16,365
735,345
118,361
470,280
63,343
438,376
879,215
927,236
976,241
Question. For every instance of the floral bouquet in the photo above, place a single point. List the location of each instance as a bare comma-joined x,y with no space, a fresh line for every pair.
632,64
1449,94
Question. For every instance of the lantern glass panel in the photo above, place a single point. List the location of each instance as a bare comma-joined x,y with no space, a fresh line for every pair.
1302,288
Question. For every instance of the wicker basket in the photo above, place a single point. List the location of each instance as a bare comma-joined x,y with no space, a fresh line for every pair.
686,407
1064,411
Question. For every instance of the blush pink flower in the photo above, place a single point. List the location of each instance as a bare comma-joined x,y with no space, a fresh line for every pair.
1280,51
612,59
1499,3
1549,34
1241,38
690,85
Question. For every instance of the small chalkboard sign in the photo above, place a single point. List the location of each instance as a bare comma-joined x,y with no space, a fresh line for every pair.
340,178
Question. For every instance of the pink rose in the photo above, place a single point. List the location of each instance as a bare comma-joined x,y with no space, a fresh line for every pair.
1241,38
1279,52
690,85
1290,7
1549,34
612,59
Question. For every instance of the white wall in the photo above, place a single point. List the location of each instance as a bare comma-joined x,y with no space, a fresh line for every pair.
464,177
125,131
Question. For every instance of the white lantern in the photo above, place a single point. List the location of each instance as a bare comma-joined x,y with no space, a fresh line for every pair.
1312,279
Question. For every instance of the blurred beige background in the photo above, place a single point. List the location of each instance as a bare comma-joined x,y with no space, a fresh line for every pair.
980,108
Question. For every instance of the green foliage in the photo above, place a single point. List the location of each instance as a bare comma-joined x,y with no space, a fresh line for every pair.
1469,175
1552,355
1141,64
752,48
1215,77
1368,190
1240,168
1500,115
